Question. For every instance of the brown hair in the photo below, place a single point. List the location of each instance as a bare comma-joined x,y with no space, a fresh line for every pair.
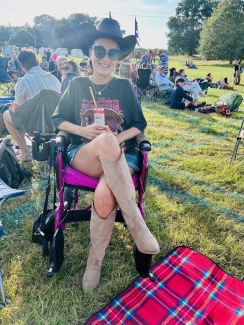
180,71
73,66
28,59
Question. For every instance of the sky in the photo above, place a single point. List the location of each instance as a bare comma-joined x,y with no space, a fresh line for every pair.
151,16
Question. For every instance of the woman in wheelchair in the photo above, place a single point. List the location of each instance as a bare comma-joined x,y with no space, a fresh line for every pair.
107,152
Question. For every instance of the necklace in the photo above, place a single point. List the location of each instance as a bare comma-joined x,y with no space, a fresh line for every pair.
99,91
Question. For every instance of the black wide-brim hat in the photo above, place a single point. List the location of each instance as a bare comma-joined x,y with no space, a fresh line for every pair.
108,28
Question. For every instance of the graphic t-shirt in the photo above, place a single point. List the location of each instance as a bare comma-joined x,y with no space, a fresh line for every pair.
122,108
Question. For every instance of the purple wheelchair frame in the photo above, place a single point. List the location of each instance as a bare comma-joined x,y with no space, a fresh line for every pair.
67,177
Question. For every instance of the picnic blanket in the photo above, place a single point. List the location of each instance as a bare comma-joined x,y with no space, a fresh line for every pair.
190,289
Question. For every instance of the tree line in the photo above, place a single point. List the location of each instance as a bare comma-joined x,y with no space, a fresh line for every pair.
48,31
212,28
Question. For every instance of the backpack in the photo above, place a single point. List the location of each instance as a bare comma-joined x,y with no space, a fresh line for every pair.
10,170
231,99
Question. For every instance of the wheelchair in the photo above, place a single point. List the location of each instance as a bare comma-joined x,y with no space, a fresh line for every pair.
49,226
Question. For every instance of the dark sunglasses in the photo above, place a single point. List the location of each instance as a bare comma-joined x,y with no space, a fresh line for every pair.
65,68
100,52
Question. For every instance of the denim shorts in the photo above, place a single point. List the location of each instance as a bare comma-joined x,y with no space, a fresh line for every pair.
132,156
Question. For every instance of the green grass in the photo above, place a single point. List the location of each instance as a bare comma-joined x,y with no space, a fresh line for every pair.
193,198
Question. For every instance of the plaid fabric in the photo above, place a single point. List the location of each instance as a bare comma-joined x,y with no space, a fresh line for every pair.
189,289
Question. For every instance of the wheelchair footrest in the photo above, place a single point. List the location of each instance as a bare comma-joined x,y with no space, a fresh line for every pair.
84,215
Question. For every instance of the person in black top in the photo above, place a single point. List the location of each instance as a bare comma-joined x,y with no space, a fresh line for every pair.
179,99
48,55
105,150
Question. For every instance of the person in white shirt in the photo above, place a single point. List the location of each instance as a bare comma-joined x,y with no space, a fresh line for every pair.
162,81
27,87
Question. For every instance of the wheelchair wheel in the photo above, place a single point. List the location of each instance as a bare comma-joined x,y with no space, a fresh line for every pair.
68,196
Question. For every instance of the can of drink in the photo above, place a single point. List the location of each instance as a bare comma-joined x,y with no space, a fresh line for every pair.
99,117
196,110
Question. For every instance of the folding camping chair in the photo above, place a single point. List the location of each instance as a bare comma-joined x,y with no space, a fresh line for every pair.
145,89
6,192
34,119
239,141
69,181
6,83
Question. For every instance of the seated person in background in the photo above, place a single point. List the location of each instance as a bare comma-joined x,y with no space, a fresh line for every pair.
209,77
192,87
222,83
179,99
133,73
14,67
171,74
191,65
162,81
70,70
124,68
59,61
27,87
44,64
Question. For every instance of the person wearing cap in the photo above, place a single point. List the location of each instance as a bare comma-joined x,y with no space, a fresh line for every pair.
162,81
179,99
44,64
163,60
107,152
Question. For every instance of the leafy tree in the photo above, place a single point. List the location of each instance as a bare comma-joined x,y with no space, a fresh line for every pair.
44,25
185,26
3,35
22,36
222,36
66,29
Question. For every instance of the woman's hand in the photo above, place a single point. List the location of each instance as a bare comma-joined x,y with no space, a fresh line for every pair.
91,131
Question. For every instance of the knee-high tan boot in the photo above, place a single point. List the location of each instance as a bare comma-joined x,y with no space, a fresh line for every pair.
100,233
119,180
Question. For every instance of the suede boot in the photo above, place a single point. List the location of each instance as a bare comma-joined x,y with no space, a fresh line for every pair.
100,233
119,180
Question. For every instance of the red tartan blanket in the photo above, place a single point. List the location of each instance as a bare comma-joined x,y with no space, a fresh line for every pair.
189,289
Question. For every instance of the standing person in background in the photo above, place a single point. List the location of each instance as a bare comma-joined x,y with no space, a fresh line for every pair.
237,72
48,55
147,59
7,51
54,56
163,60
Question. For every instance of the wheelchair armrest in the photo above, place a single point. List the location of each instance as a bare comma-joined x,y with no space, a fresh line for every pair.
62,140
144,145
142,142
61,143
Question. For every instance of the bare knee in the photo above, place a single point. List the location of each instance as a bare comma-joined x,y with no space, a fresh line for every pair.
7,117
104,202
108,146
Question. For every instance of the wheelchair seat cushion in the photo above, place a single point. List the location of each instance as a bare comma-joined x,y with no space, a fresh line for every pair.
76,178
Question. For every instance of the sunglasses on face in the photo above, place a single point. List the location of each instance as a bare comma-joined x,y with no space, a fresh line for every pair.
65,68
100,52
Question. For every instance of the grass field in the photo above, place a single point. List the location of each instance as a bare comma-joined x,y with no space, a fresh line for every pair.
194,198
